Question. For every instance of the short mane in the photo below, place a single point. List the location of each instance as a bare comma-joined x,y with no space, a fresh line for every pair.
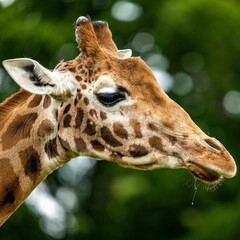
12,102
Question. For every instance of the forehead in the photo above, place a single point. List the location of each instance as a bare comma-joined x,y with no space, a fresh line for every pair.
134,75
131,71
137,77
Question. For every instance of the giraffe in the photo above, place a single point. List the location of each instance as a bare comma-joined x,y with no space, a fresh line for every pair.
104,104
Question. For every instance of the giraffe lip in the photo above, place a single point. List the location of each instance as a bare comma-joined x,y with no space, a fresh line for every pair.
205,175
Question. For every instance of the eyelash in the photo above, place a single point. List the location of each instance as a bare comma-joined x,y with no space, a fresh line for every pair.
110,99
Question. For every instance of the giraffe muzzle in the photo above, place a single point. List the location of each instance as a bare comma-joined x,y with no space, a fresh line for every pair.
210,162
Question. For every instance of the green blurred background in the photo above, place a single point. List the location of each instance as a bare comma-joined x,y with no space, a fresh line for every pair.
193,47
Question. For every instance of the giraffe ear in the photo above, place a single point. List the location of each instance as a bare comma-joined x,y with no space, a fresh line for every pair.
125,53
33,77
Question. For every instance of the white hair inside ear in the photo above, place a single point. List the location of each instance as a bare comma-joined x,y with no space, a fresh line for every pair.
125,53
34,78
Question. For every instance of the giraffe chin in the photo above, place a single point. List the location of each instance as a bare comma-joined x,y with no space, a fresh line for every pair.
205,175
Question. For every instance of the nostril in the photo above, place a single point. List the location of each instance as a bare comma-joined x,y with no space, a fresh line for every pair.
212,144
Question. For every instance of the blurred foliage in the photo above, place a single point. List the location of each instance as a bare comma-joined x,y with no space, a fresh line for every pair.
200,42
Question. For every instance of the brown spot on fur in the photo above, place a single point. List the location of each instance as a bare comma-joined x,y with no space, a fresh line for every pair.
75,101
97,145
67,108
90,128
45,128
51,148
64,144
46,101
107,136
80,67
86,101
67,121
10,190
156,142
138,150
66,65
79,118
79,78
93,113
18,129
9,197
31,163
103,115
83,86
56,114
90,72
120,131
136,127
79,95
35,101
80,145
72,69
172,139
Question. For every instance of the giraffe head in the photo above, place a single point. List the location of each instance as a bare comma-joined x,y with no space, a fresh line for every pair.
111,107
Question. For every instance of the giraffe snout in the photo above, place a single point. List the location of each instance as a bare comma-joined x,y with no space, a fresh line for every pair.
210,161
224,161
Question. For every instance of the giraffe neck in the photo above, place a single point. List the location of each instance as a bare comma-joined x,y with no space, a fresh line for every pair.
29,147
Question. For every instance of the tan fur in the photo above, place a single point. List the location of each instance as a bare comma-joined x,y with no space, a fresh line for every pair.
12,103
24,145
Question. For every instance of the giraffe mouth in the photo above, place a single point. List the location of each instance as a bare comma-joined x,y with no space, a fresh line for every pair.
205,175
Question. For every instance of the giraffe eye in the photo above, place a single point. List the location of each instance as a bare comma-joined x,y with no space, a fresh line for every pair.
109,99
